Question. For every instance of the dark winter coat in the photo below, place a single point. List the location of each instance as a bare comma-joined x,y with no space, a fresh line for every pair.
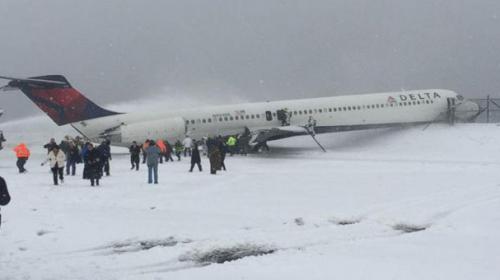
134,150
195,155
215,158
4,193
49,146
105,151
222,148
64,146
73,155
93,165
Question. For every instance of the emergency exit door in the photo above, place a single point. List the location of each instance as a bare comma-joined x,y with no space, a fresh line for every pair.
269,116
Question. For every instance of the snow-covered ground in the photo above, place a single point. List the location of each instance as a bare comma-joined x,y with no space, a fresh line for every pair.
305,214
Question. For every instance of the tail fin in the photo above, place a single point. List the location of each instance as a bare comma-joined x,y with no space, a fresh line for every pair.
58,99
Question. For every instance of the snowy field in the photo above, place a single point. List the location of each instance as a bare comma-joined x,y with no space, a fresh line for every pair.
381,204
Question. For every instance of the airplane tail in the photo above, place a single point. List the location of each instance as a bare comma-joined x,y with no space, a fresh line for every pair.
55,96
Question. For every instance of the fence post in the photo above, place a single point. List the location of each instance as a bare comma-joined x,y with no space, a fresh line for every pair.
488,109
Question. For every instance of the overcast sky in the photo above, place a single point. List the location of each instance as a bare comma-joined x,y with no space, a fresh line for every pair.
213,51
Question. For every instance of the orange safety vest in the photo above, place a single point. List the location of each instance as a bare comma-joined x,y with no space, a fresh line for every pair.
161,145
22,151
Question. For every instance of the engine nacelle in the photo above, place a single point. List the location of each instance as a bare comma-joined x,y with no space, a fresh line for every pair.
171,129
466,110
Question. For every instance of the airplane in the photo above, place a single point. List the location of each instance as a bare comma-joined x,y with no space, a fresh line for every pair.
263,121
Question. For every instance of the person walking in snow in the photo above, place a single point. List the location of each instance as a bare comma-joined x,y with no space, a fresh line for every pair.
144,147
50,145
4,195
188,144
135,152
223,150
178,147
2,139
195,157
93,167
105,151
22,154
163,149
56,160
153,154
72,158
231,144
168,151
213,155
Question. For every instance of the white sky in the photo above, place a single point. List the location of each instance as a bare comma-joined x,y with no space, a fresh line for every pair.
258,50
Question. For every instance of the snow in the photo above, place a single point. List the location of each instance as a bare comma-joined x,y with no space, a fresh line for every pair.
334,215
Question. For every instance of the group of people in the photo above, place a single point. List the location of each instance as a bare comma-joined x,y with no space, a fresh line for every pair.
72,151
67,154
154,152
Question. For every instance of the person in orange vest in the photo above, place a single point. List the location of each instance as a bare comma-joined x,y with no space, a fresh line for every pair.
22,154
163,149
144,147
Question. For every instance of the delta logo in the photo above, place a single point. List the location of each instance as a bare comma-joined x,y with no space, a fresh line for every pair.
418,96
391,100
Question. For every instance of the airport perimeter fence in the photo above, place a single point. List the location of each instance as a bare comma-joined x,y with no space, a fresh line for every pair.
489,108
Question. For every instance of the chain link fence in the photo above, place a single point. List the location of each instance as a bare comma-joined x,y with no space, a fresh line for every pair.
489,109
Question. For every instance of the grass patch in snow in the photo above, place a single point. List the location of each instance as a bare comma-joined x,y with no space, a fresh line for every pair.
42,232
142,245
344,222
409,228
299,221
227,254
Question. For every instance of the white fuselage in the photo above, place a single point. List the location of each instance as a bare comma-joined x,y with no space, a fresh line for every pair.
330,114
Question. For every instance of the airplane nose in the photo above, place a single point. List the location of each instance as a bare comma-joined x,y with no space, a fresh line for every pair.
467,110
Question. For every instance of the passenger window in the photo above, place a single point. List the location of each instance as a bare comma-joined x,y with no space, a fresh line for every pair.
209,120
220,119
253,116
231,118
320,110
310,111
329,109
192,121
204,121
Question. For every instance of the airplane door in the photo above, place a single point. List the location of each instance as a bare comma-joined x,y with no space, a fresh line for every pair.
269,116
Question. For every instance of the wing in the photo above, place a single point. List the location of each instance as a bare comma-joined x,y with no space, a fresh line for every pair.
275,133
